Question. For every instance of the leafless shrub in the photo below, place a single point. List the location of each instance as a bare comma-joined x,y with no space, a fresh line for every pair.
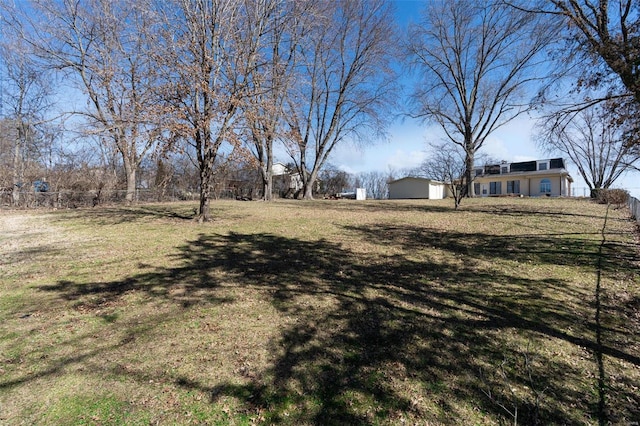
615,196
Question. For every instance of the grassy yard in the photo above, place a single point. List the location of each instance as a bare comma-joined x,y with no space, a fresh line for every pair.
324,312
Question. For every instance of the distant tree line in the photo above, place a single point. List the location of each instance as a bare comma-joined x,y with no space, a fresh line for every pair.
213,81
187,97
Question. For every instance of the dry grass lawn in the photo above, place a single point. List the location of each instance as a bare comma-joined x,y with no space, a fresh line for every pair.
324,312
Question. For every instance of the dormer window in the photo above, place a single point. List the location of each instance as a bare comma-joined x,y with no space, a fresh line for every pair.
543,166
504,170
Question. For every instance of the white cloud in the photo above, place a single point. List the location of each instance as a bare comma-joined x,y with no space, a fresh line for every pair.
346,168
496,150
402,159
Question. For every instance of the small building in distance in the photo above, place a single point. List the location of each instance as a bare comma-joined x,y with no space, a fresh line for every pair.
416,187
286,182
528,178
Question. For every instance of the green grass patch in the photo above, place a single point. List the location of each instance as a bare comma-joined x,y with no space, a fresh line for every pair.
94,410
321,312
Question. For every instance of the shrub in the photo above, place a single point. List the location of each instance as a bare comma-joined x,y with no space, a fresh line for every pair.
613,196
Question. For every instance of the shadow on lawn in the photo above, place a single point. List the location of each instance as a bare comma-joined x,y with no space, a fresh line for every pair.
116,215
396,336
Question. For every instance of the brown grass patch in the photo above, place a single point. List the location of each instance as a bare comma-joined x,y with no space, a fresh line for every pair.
326,312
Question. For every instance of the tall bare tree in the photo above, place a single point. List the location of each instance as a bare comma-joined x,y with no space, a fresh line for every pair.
601,50
103,46
212,48
479,62
271,80
596,146
27,90
608,33
345,82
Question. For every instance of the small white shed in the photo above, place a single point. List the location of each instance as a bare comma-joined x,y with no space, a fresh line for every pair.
415,187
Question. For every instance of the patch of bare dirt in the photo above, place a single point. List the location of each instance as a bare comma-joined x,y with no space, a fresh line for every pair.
24,236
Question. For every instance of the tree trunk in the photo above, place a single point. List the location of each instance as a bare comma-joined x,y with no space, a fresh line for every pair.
308,183
308,191
204,215
17,181
206,183
131,186
468,175
130,172
267,187
266,172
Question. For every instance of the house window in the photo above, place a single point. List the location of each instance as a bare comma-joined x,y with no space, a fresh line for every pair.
478,172
542,166
505,170
513,187
545,186
476,188
495,188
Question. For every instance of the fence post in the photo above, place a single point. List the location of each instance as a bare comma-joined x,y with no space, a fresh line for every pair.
634,208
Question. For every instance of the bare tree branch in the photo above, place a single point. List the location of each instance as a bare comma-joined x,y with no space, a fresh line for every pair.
345,85
480,62
595,144
104,47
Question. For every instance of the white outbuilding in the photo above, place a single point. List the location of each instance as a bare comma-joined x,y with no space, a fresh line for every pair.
415,187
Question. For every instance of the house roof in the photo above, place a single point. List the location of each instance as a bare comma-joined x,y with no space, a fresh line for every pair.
555,167
550,172
425,180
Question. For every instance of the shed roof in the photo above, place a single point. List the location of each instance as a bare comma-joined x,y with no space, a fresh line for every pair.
425,180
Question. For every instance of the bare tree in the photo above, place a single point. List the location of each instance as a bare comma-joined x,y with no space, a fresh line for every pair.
601,49
606,32
345,82
479,62
213,47
271,80
447,163
26,100
375,183
334,181
596,146
103,46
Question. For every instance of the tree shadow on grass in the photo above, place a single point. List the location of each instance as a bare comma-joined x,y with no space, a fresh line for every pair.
371,206
119,214
376,338
540,248
434,323
533,210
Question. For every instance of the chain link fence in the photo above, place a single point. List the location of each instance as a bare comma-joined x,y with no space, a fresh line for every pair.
634,208
79,199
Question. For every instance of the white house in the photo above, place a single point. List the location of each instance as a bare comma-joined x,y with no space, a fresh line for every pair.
285,180
279,169
415,187
535,178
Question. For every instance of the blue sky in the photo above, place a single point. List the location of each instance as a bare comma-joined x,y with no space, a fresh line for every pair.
406,146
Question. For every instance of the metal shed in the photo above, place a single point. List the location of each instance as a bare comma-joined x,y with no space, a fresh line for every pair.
415,187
